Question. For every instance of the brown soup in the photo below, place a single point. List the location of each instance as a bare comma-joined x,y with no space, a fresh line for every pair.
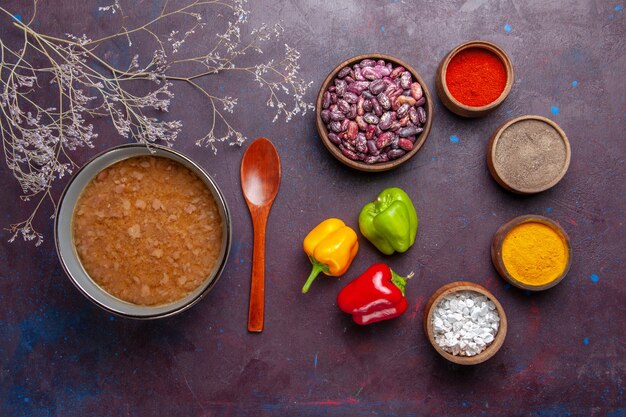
147,230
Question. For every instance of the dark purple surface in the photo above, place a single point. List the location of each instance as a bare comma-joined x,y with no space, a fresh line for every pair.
564,353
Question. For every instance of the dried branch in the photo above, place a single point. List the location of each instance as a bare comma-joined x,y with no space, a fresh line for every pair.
38,140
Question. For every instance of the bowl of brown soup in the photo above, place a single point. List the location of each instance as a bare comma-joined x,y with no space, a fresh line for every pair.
143,232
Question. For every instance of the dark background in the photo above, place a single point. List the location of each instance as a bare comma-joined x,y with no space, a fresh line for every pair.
564,353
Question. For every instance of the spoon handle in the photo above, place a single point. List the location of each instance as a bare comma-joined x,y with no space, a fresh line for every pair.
256,312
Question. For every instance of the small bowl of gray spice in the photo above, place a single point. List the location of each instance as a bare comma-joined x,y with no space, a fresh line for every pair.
465,323
528,154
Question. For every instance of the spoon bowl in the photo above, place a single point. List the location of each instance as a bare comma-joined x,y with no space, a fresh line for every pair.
260,179
261,166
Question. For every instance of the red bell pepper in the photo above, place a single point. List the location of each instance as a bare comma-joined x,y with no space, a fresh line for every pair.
376,295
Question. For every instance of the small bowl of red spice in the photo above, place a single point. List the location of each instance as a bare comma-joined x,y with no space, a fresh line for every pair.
474,78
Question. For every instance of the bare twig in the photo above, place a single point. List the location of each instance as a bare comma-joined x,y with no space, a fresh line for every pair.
38,140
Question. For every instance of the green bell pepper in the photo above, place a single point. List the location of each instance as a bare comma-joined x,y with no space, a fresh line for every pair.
390,222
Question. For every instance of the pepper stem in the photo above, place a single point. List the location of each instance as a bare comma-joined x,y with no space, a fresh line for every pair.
400,281
317,268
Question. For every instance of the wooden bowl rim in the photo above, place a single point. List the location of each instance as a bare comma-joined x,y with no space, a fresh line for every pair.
500,53
491,154
498,340
505,229
334,150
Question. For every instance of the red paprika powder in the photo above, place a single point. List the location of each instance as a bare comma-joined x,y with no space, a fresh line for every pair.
476,77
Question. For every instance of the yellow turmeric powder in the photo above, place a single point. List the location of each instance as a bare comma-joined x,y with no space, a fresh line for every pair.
534,253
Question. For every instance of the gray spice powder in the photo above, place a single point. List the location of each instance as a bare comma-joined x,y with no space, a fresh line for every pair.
530,154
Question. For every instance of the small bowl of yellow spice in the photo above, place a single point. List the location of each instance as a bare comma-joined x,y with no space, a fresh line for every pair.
531,252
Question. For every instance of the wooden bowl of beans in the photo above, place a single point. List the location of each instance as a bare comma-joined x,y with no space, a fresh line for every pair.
373,112
465,323
474,78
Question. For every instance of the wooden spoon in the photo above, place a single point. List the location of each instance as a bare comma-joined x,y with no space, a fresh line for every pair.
260,178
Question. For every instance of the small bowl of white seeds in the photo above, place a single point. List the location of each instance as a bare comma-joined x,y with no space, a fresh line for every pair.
465,323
